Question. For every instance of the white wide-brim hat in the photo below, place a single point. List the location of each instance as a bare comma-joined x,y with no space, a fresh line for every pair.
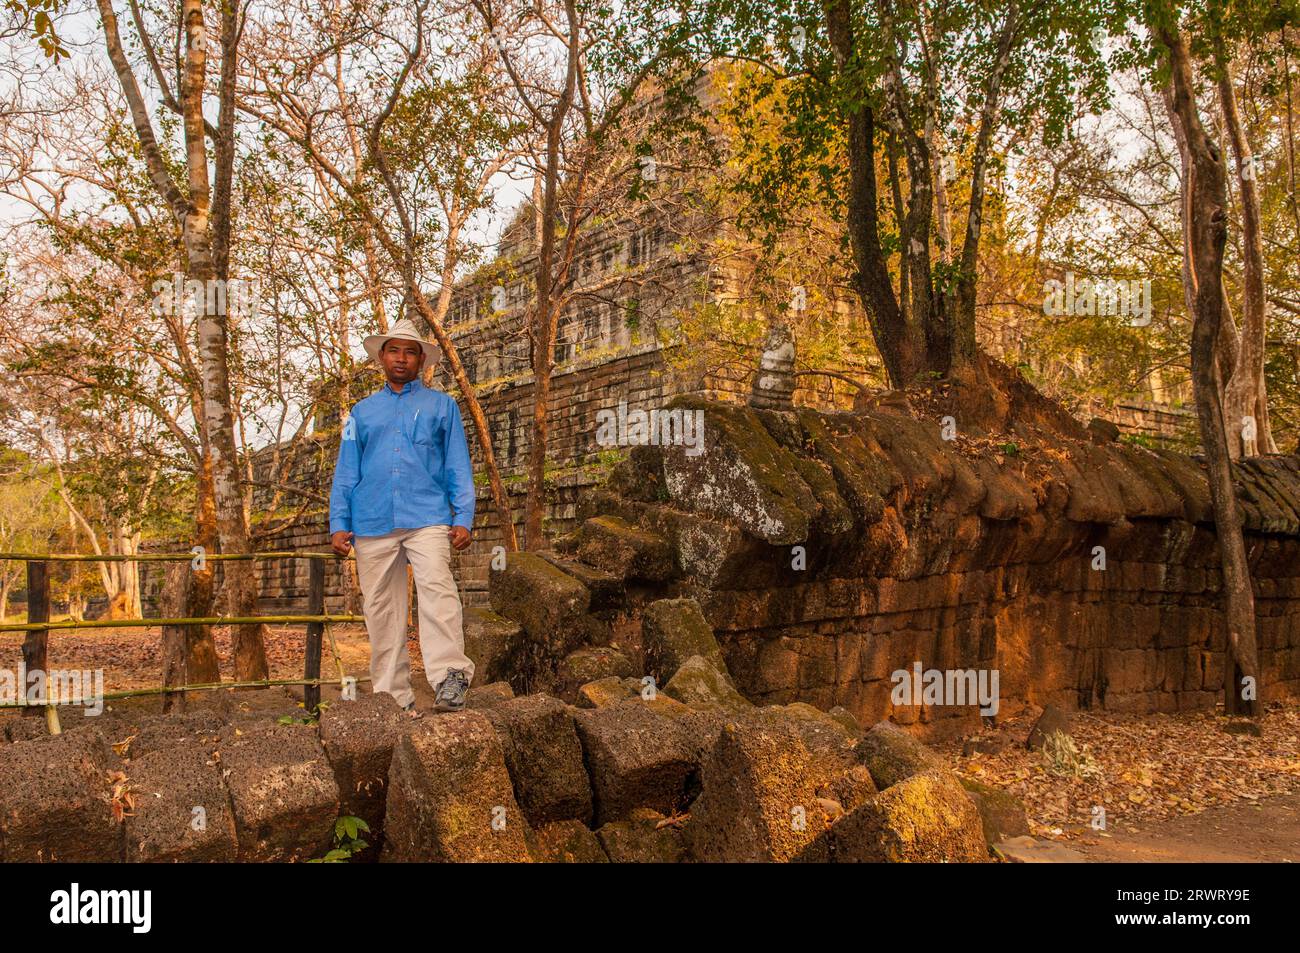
405,330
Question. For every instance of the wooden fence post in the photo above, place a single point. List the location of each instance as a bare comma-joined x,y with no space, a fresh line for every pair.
36,645
174,602
315,606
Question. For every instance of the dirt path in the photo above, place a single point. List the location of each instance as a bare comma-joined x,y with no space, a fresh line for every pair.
1263,831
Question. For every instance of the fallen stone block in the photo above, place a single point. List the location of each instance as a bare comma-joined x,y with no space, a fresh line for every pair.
589,665
56,800
608,591
715,554
20,728
851,789
358,737
804,710
1002,814
614,545
637,756
198,728
449,795
745,476
283,791
845,717
643,687
268,720
642,839
985,744
698,682
115,727
607,691
544,758
259,709
488,696
219,703
702,724
760,782
566,842
892,755
926,818
1051,721
673,630
550,605
181,812
490,641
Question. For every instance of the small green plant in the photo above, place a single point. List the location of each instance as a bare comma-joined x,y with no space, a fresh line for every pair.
1063,758
1010,449
347,841
1139,440
608,459
306,719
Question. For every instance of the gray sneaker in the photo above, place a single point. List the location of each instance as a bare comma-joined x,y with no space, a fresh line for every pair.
450,695
412,712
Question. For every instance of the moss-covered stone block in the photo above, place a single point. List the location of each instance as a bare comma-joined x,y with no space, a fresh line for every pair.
673,630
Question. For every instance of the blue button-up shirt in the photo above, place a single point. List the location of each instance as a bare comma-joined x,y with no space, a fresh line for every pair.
403,463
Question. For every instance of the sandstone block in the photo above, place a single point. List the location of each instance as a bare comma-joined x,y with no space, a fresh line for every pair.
55,795
449,795
672,630
544,758
181,809
358,737
283,790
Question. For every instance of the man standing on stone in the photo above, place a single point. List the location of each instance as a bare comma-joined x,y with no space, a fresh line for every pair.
404,492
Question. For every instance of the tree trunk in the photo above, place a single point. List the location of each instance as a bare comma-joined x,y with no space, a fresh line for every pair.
545,313
1245,399
933,141
189,657
131,577
204,666
1226,344
892,157
240,579
543,339
1205,240
963,314
901,347
192,212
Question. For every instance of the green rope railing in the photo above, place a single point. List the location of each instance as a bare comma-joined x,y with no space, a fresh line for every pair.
158,623
45,626
165,690
165,557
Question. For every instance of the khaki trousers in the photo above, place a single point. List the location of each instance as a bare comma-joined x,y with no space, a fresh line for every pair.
381,572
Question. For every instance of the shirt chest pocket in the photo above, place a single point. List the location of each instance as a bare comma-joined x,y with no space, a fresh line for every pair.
426,433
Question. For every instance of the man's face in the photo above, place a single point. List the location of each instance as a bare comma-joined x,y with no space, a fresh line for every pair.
402,360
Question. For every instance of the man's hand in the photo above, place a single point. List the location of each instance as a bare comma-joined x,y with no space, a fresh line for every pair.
341,542
460,538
